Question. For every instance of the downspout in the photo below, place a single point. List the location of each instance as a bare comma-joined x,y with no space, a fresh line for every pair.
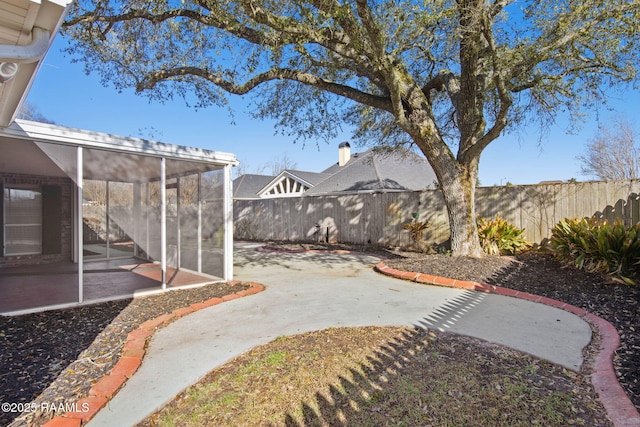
11,55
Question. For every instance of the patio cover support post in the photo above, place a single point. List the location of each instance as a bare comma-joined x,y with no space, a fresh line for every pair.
178,236
228,223
147,212
137,193
199,236
163,221
108,218
79,234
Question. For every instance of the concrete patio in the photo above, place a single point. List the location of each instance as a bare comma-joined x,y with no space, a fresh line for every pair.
50,285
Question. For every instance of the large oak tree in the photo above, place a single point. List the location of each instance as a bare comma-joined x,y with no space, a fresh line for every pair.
445,76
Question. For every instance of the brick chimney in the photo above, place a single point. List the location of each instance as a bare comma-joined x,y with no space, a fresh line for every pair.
344,153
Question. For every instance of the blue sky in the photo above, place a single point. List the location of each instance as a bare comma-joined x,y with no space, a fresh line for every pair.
64,94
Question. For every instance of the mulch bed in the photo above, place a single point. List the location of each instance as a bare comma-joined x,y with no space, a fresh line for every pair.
54,357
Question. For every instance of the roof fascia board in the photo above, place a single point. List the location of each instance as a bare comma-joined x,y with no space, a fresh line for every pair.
34,131
61,3
270,184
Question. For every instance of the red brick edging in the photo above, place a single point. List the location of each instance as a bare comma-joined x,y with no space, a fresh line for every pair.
131,359
620,410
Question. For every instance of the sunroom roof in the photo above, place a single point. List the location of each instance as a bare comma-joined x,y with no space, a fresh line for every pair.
44,149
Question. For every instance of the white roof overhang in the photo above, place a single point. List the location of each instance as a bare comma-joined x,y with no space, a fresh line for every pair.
44,149
27,30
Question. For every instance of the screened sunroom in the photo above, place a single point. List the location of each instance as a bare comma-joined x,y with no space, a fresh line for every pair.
88,217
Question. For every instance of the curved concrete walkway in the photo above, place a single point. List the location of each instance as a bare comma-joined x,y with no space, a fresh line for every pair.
315,291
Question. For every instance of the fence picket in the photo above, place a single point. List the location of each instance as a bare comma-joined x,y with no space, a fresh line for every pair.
378,217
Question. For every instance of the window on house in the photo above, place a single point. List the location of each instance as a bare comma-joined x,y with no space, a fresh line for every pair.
22,221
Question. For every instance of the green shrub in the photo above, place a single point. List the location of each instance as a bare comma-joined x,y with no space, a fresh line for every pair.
499,236
599,246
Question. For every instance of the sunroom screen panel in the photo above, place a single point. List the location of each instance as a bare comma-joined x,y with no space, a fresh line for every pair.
213,223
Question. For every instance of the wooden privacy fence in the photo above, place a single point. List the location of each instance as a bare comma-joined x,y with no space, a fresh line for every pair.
378,218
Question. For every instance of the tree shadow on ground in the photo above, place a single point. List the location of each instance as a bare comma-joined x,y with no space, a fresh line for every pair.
540,274
425,378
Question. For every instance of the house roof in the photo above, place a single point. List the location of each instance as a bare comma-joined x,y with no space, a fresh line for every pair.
373,170
247,186
311,177
252,186
376,170
27,30
291,183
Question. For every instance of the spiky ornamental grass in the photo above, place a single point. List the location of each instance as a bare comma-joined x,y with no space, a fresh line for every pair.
599,246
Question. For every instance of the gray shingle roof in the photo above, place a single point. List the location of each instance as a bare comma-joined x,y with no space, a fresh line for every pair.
247,186
373,170
377,171
310,177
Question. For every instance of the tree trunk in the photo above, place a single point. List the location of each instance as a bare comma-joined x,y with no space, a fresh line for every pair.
458,182
458,187
457,175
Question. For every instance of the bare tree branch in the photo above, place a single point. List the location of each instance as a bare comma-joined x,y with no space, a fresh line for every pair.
613,153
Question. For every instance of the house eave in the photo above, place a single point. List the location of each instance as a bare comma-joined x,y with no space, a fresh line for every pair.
43,132
45,17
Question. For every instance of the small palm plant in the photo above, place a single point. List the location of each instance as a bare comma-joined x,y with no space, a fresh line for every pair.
416,228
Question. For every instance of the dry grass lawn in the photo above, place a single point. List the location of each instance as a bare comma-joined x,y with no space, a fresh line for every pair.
376,376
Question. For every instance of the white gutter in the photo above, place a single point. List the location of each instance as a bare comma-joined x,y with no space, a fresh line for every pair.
30,53
12,55
21,63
